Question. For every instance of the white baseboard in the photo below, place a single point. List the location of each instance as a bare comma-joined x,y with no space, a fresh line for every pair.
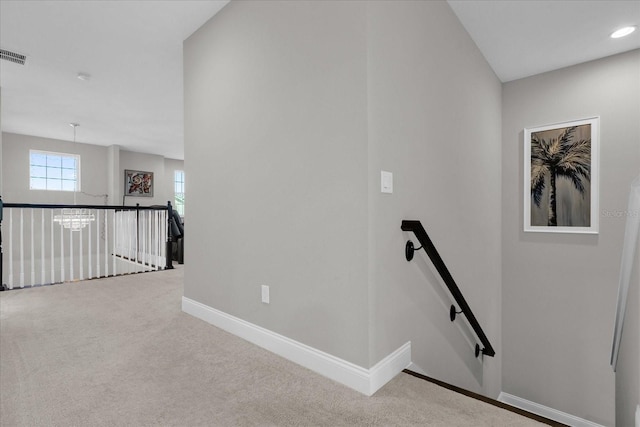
545,411
366,381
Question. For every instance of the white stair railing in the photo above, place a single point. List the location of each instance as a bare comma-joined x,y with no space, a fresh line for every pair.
57,243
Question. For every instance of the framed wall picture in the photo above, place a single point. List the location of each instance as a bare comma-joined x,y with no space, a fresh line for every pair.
561,177
138,183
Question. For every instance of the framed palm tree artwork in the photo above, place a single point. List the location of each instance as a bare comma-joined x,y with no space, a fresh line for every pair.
561,177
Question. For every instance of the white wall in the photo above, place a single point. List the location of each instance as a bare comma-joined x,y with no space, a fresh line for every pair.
1,143
162,169
628,368
148,163
276,157
101,173
559,290
114,186
287,126
434,121
15,160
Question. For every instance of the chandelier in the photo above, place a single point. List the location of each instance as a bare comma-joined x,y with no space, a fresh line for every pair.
74,219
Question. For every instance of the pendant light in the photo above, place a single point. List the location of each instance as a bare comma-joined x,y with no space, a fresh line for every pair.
74,219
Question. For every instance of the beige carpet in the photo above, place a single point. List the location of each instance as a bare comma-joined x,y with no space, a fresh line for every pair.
119,352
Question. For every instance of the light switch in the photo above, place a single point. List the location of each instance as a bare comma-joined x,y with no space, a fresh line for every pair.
386,180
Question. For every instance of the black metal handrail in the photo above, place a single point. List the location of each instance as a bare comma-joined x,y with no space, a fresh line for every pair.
105,207
419,231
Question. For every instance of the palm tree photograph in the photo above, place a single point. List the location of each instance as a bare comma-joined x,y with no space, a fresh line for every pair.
560,165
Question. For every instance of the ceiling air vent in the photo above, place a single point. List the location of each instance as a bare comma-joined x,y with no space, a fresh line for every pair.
12,56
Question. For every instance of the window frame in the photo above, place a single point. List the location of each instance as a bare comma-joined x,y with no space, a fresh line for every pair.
179,206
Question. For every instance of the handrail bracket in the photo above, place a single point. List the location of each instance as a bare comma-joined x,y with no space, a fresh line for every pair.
409,249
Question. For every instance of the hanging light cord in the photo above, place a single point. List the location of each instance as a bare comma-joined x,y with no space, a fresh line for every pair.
75,187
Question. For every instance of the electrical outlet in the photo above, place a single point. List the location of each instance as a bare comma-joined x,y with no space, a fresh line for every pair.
265,294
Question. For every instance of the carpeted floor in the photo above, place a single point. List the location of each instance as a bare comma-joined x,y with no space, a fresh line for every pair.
119,352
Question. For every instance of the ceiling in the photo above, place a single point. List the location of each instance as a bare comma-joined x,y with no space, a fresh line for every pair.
523,38
132,51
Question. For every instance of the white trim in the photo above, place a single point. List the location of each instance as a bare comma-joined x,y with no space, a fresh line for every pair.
638,416
629,247
366,381
384,371
545,411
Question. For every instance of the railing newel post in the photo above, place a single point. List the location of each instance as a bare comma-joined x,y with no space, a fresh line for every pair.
169,250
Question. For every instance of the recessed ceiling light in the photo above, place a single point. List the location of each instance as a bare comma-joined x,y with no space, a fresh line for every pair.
623,32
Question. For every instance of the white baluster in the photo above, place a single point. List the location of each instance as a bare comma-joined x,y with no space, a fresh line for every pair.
21,248
150,240
157,238
81,254
71,272
10,248
42,266
90,249
141,240
33,258
134,239
62,278
106,243
53,272
128,242
98,242
144,240
147,247
163,247
115,231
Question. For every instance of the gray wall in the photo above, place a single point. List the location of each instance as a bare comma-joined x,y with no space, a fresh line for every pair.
628,368
287,127
163,189
114,185
98,176
276,156
1,143
434,121
559,290
15,160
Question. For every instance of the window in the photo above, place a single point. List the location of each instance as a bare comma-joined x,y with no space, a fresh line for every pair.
54,171
179,192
